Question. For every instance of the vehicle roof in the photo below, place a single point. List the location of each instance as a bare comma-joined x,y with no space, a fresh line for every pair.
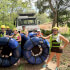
25,17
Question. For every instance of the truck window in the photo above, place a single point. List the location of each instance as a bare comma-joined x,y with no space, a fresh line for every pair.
21,22
30,21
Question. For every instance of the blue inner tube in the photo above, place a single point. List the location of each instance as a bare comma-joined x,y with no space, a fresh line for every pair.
9,46
36,50
23,41
31,34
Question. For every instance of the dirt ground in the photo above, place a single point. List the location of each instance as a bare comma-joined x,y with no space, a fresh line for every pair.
24,65
64,63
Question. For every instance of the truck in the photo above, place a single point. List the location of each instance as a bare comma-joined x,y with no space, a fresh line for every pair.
28,20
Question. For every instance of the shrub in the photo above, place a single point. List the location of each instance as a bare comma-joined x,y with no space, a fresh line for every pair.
46,32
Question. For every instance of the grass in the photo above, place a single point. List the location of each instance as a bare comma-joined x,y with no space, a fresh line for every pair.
21,67
67,36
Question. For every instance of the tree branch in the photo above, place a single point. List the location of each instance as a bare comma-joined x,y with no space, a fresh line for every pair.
51,6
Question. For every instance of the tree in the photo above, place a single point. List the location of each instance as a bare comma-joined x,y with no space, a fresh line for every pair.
43,18
9,10
56,7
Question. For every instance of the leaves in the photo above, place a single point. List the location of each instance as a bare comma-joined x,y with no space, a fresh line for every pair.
9,10
59,9
42,18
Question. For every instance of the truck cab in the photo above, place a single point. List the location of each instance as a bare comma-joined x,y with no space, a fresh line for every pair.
27,20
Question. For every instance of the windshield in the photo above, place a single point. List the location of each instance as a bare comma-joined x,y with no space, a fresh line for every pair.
21,22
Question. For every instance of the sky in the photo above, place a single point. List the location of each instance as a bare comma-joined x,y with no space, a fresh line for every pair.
32,3
30,0
33,6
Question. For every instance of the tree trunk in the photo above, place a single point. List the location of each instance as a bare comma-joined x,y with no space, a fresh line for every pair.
54,19
54,13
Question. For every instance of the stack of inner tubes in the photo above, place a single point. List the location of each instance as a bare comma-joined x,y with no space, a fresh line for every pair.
23,41
35,50
10,51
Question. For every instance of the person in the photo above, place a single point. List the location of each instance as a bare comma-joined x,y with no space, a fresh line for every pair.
17,37
3,31
39,33
24,31
56,47
8,30
2,34
6,50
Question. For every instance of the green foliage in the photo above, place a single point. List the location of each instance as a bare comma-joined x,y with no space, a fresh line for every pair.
43,18
63,17
41,7
67,36
9,10
43,31
61,7
46,32
68,24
